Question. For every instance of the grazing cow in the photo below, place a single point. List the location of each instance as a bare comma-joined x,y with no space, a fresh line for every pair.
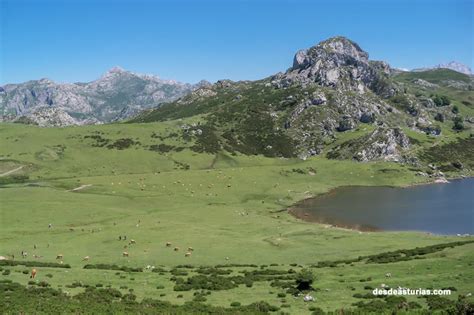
187,254
24,254
125,254
86,258
132,242
33,273
388,275
176,249
168,244
190,249
59,256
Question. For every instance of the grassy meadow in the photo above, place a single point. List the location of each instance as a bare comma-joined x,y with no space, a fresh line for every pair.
75,191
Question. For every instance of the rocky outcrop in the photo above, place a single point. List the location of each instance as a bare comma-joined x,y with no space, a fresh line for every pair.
339,63
388,144
49,117
110,98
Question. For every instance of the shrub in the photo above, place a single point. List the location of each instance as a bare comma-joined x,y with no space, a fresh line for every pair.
281,295
235,304
304,279
439,117
317,311
441,100
458,123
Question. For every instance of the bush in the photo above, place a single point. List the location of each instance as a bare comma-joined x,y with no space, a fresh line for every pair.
235,304
455,110
458,123
281,295
317,311
441,100
439,117
304,279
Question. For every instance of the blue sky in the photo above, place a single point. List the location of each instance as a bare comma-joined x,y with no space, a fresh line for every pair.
72,40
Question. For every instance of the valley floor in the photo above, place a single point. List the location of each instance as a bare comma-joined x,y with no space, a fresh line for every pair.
79,200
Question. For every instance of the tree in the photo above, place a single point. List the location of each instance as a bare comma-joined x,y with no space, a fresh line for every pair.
458,123
304,279
441,100
439,117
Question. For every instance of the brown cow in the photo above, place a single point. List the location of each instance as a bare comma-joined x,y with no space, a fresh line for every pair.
59,256
125,254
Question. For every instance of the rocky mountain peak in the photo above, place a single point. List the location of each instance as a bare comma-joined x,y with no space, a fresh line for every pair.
339,63
340,50
116,69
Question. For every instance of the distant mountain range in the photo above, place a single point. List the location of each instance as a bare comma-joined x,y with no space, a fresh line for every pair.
118,94
337,63
453,65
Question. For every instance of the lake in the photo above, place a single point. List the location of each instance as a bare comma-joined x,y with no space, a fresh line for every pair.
446,209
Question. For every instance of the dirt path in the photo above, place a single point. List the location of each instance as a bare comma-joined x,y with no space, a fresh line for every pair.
12,171
80,187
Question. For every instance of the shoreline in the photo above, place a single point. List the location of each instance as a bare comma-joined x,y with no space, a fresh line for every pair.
304,216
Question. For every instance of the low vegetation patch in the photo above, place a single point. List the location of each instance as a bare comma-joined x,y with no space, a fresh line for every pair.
113,267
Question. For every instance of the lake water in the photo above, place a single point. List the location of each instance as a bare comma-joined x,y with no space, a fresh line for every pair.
436,208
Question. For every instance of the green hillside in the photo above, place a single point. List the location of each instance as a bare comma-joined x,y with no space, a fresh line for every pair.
437,76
